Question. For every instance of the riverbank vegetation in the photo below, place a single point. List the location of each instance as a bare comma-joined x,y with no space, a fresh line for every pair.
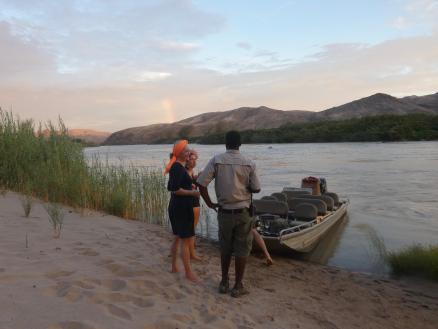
52,167
415,260
385,128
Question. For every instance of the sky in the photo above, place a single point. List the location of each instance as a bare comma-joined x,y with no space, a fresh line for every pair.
114,64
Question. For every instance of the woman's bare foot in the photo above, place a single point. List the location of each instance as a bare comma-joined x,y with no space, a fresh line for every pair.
195,257
269,261
174,270
192,277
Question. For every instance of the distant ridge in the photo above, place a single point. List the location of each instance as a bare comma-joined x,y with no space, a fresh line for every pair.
89,136
255,118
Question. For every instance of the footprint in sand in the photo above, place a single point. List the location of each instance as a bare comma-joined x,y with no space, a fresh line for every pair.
84,285
62,288
166,324
126,271
58,274
70,325
144,287
87,252
118,312
141,302
114,284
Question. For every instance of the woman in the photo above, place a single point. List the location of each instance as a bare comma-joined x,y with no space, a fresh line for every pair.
190,165
262,246
181,207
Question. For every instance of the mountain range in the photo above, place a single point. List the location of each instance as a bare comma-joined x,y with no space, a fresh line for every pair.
245,118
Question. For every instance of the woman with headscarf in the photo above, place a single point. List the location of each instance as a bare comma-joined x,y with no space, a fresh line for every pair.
181,207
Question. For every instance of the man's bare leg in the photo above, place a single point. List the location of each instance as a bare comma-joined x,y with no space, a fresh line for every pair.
174,254
185,255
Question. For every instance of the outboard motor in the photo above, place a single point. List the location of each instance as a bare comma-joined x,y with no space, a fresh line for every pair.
323,185
272,224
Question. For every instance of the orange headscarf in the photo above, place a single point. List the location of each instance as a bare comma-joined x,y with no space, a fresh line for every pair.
177,149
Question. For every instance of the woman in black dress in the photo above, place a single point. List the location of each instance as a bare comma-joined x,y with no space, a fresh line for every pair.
181,207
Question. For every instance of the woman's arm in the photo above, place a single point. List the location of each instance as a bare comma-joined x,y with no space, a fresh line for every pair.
182,192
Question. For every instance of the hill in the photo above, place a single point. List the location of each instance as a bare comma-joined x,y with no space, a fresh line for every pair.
256,118
89,136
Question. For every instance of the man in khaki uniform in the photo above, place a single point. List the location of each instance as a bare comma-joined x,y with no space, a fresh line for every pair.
235,179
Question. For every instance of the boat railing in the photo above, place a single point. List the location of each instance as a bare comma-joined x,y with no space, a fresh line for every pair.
298,228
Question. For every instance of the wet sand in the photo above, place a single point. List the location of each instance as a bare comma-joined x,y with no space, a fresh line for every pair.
106,272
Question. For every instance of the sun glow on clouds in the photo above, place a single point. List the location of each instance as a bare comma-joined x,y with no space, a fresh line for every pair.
152,76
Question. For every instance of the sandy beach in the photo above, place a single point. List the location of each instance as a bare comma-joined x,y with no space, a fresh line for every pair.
109,273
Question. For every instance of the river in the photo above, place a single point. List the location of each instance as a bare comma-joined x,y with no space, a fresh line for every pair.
392,188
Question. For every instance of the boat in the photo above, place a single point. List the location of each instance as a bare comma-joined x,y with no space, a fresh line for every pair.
297,220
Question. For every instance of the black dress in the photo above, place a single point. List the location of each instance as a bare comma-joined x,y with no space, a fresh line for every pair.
180,207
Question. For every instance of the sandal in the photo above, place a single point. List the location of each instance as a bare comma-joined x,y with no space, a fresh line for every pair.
238,292
224,287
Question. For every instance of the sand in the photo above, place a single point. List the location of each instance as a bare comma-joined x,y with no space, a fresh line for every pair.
106,272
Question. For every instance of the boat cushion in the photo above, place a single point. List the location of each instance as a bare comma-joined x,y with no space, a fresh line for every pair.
296,194
334,196
305,212
320,205
327,199
271,207
280,196
269,197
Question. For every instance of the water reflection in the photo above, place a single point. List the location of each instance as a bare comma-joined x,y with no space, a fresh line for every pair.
328,245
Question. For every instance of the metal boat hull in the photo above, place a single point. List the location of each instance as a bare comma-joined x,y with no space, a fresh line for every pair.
306,239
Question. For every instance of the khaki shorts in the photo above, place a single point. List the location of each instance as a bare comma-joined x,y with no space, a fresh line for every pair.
235,236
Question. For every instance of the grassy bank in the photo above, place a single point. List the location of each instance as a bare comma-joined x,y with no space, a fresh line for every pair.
415,260
52,167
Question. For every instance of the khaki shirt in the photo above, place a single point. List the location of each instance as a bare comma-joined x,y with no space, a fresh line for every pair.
233,175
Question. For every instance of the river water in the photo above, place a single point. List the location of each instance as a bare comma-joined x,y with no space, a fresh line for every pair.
392,188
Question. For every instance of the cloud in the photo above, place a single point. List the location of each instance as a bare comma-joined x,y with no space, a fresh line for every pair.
400,23
178,46
22,59
244,45
110,65
113,37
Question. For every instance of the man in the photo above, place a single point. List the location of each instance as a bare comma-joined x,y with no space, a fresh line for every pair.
235,179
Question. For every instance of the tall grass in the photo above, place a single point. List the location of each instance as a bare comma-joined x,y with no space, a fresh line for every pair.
47,164
416,260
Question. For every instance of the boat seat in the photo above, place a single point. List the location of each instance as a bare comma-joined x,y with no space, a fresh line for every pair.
269,197
334,196
327,199
319,204
272,207
305,212
295,194
308,189
280,196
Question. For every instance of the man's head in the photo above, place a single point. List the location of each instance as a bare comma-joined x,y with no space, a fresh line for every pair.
232,140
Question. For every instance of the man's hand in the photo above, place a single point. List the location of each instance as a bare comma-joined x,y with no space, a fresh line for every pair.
206,197
213,206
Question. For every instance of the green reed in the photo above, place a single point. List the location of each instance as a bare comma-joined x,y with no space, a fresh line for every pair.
47,164
415,260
